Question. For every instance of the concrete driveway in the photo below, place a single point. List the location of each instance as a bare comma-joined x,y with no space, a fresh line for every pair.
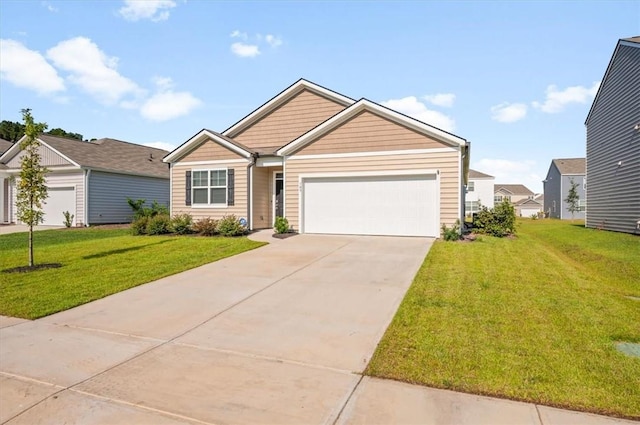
5,229
274,335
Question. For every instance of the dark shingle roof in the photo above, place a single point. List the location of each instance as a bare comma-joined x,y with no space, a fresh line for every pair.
635,39
516,189
473,174
528,202
571,165
111,155
4,146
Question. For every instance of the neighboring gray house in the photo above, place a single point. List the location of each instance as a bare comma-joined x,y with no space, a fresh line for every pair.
92,180
4,184
557,185
613,144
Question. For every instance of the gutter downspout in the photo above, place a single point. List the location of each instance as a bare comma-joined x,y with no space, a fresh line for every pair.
87,174
254,159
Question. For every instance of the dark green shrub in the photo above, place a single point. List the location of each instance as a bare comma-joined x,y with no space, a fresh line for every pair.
159,225
139,226
499,221
229,225
206,227
451,233
139,210
182,223
281,225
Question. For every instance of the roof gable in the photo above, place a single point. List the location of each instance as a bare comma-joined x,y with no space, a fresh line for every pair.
514,189
282,98
201,137
473,174
571,166
367,105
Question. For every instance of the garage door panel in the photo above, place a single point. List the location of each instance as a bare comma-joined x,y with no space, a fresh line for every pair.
390,205
59,200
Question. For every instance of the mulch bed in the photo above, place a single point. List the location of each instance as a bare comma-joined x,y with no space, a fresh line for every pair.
34,268
283,235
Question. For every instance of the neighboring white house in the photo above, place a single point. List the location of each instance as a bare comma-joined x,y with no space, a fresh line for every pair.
4,184
479,192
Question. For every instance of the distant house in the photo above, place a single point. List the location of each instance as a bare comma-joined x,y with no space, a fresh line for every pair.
4,184
613,144
528,207
479,191
562,172
511,192
91,180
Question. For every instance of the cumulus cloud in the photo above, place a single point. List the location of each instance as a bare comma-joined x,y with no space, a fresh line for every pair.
508,112
414,108
441,99
92,70
166,104
507,171
154,10
272,40
161,145
238,34
49,6
556,100
245,50
28,68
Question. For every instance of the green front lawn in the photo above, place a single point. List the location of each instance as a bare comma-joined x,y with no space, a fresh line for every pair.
533,318
96,263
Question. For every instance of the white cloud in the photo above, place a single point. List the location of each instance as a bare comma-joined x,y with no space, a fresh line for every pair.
441,99
273,41
508,112
508,171
161,145
28,68
92,70
245,50
238,34
414,108
167,104
556,100
49,6
154,10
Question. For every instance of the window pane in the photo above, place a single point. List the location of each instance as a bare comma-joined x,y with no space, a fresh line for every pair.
219,196
199,178
471,186
218,177
200,196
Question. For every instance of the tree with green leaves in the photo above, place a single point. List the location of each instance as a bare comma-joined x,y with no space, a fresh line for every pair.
573,199
11,131
31,187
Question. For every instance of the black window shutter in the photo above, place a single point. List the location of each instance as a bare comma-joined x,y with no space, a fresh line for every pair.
187,181
230,187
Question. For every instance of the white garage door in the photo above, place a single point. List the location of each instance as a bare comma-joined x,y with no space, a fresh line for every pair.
60,199
403,205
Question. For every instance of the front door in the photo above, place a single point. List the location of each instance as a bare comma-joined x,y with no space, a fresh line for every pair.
278,193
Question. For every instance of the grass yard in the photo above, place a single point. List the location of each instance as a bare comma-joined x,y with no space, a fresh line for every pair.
533,318
96,263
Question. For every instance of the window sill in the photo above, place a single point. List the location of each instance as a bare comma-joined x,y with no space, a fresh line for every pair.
209,206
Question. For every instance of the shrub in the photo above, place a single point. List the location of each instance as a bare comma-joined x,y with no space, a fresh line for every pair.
182,223
139,210
206,227
139,226
229,225
159,225
281,225
68,218
451,233
499,221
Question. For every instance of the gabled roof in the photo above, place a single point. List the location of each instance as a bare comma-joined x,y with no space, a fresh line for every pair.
473,174
280,99
367,105
528,202
631,42
106,155
515,189
571,166
200,137
4,146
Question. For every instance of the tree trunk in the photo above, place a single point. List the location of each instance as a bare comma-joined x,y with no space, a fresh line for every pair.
31,245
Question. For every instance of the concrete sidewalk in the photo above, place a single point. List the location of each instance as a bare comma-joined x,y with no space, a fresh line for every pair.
16,228
277,335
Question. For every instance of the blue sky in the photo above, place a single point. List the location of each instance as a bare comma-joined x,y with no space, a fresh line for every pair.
516,79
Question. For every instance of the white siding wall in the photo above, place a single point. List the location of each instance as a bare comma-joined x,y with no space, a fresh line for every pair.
483,192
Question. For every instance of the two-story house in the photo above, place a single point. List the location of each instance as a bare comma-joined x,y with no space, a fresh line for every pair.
562,174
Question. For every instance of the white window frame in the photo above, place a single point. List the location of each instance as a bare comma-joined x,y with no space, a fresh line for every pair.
194,204
471,186
497,198
474,206
582,205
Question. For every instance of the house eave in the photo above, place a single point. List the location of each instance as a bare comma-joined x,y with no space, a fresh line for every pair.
201,136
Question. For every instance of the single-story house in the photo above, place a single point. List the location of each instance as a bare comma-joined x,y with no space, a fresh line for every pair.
479,191
92,180
562,173
528,207
4,183
613,144
511,192
328,164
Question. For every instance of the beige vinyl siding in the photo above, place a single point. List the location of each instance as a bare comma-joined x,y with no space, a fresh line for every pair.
47,158
368,132
178,192
448,163
292,119
210,151
262,190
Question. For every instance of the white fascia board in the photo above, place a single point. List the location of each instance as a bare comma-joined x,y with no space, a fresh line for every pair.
281,98
362,105
198,138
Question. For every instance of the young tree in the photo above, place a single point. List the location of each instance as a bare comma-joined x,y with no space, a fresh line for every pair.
573,199
32,190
